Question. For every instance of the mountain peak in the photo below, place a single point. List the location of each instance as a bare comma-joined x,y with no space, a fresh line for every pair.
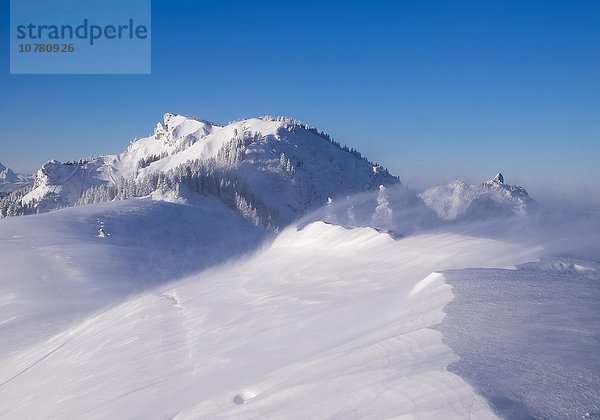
487,199
7,174
10,180
271,169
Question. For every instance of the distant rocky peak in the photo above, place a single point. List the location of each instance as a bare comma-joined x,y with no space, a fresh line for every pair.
488,199
7,174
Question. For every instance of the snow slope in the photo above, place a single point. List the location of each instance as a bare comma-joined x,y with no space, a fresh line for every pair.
458,200
284,164
324,322
54,269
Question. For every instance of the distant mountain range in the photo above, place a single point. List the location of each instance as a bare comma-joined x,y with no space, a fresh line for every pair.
271,170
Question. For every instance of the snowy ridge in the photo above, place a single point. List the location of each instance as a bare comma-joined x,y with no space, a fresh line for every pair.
459,200
275,164
281,334
62,184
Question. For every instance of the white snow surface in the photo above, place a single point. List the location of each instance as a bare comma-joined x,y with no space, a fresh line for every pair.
322,322
528,339
55,268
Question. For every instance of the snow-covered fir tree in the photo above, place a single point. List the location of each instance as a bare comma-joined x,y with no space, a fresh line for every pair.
206,177
329,211
11,204
383,213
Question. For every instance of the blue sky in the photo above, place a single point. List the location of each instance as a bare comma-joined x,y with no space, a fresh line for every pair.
434,90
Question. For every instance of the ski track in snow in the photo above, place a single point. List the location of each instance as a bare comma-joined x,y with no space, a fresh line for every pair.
56,271
325,322
189,324
41,359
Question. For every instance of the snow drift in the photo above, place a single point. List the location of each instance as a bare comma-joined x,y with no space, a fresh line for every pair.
325,321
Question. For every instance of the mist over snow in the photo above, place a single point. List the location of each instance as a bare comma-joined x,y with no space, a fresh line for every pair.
551,188
262,269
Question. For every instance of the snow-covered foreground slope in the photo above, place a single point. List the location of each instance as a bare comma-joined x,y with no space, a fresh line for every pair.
323,322
55,269
528,339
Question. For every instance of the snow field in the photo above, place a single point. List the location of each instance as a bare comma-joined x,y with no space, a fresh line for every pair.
325,321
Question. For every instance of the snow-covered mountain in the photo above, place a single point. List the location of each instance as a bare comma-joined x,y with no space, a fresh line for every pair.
270,169
492,198
10,180
7,174
336,315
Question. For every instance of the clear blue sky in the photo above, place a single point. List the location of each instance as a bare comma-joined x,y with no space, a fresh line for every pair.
434,90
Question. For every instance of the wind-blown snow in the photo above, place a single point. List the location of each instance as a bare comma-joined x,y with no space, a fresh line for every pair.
55,269
528,339
489,199
324,322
